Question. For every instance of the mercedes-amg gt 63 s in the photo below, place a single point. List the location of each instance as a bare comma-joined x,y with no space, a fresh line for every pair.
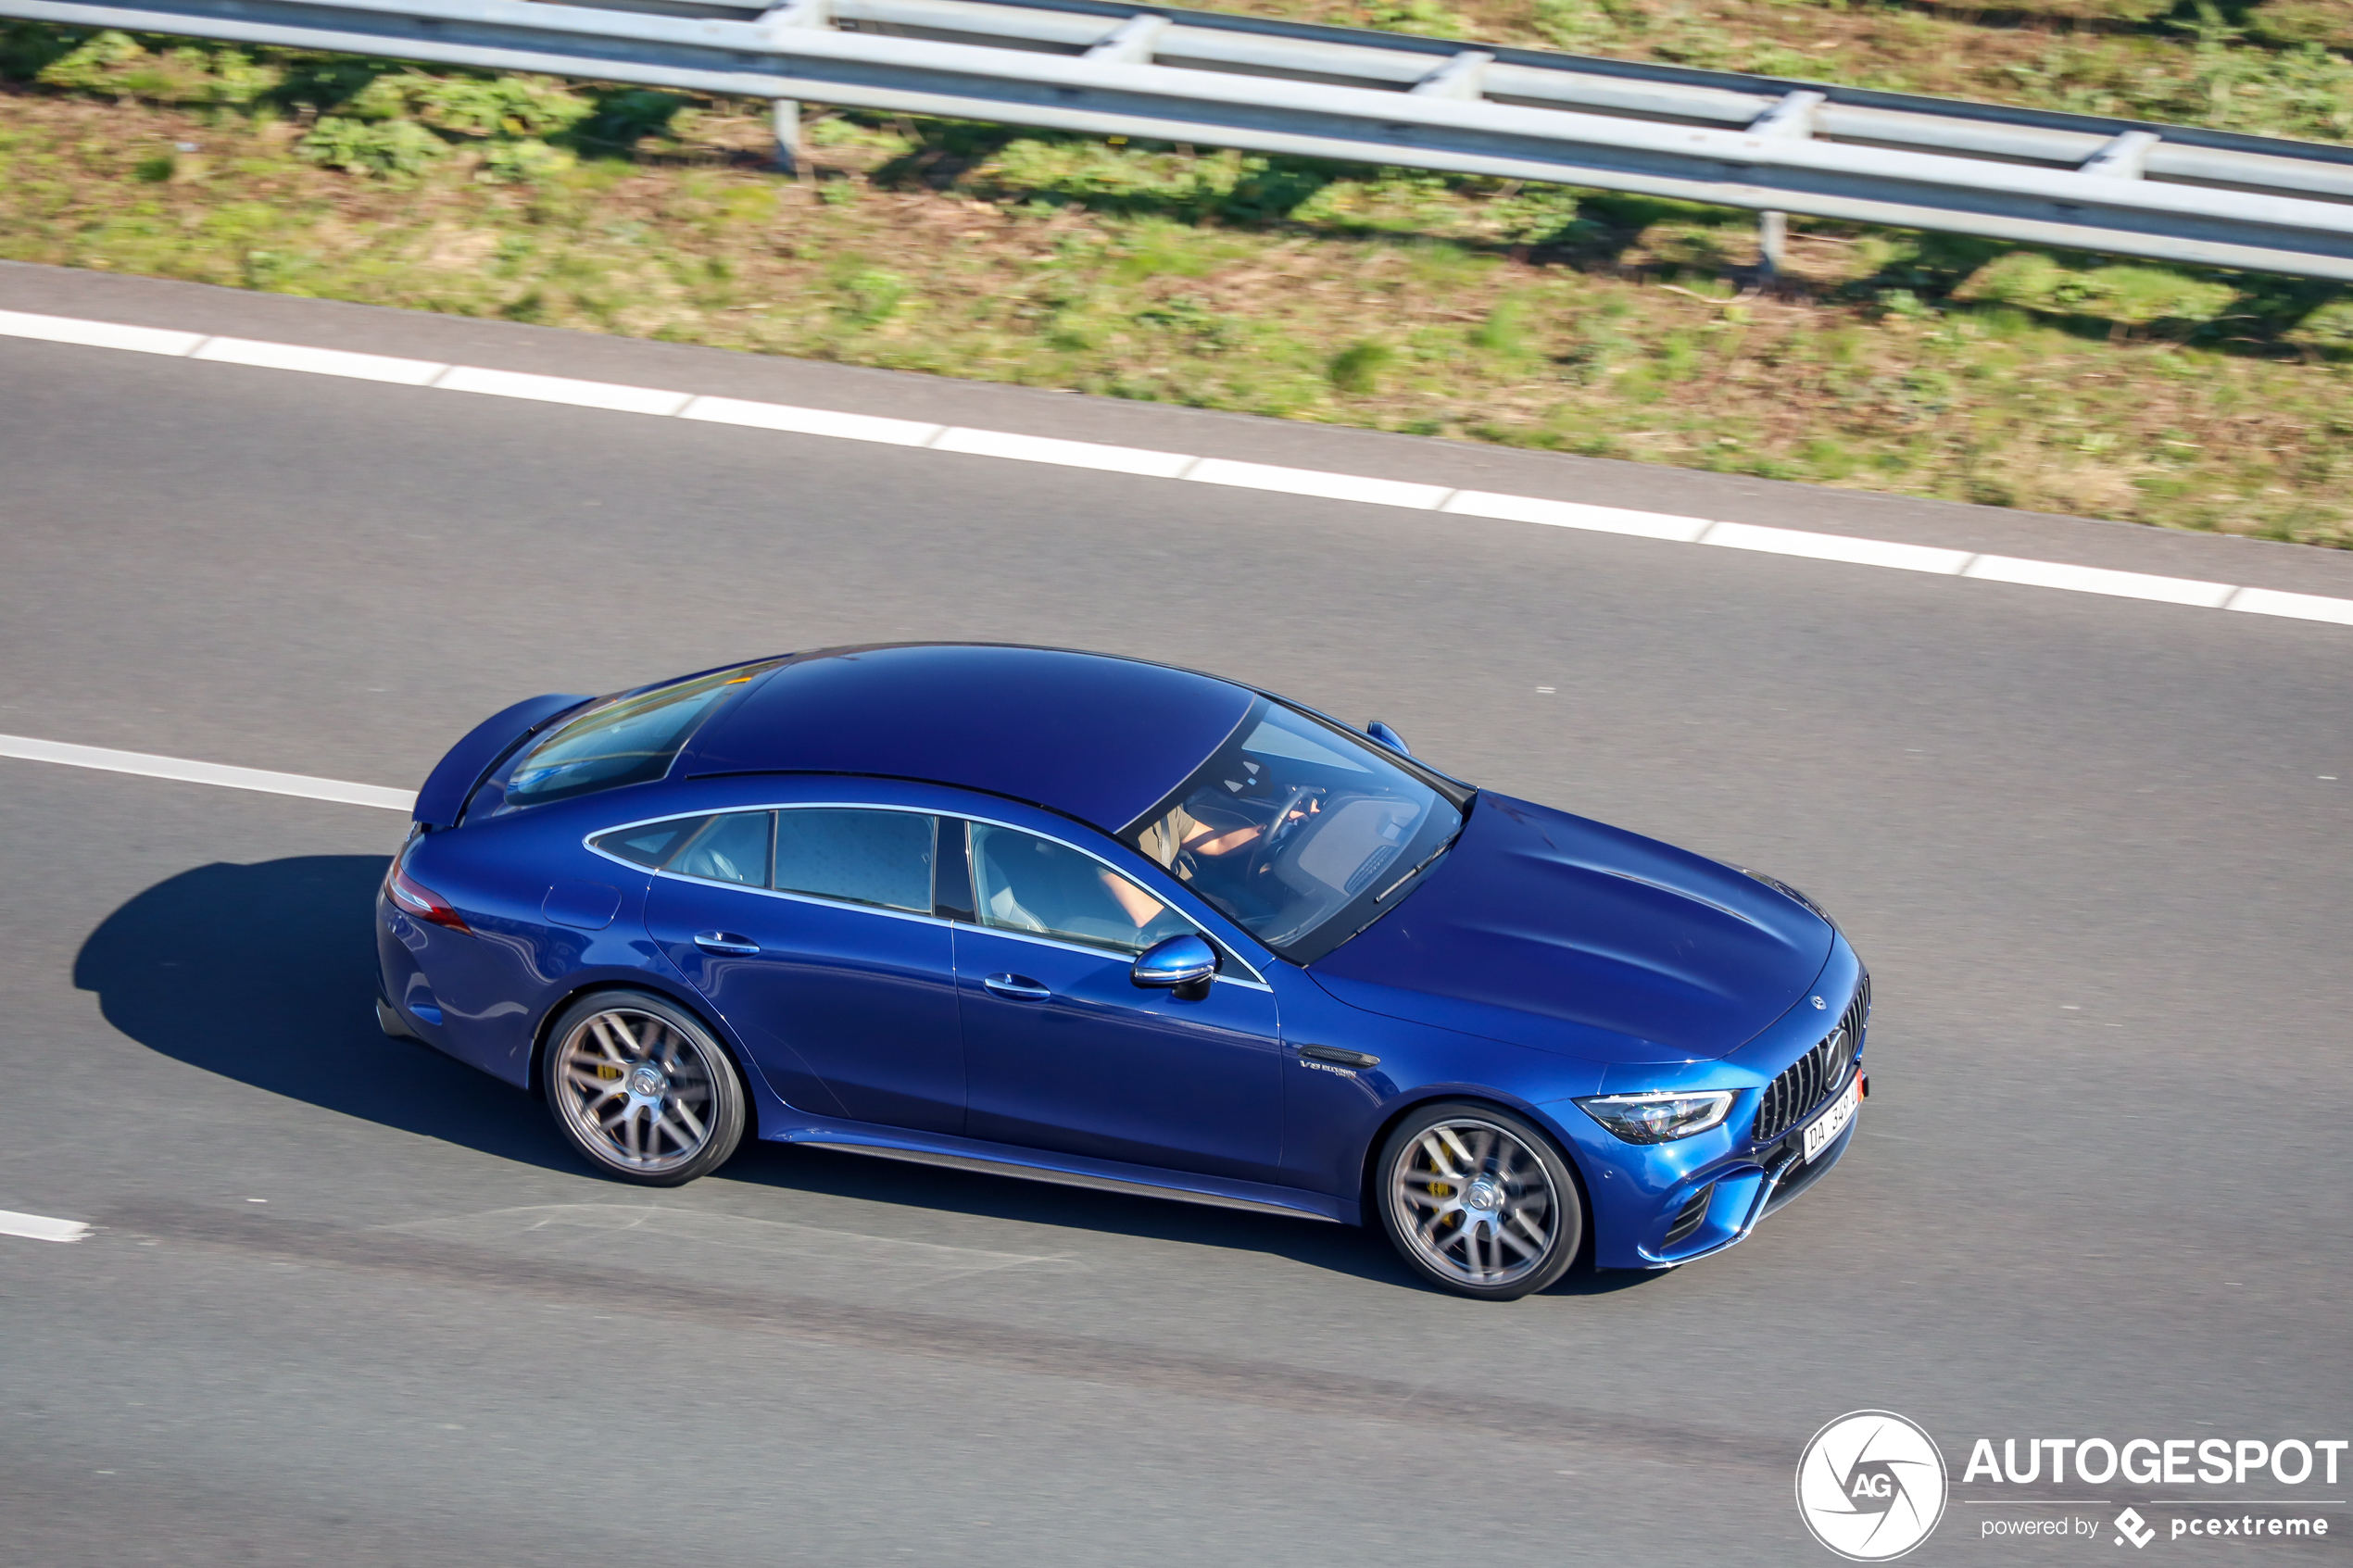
1094,921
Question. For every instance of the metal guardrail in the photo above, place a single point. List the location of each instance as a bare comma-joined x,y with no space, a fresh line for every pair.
2165,193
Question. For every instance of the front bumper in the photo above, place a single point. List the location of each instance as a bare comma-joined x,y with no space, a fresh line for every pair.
1717,1208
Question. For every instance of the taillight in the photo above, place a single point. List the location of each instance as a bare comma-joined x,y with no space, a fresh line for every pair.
416,899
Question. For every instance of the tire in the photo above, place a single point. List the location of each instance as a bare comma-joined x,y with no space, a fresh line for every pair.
1434,1173
642,1088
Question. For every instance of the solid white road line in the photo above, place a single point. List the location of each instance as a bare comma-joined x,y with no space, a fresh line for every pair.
811,422
1836,546
97,334
1143,462
2093,580
2303,606
317,361
39,1227
220,773
1577,514
1140,461
1316,483
562,389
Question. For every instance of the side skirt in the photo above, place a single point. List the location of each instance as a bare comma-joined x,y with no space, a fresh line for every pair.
1100,1175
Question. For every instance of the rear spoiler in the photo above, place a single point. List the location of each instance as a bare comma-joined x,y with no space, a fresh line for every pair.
485,745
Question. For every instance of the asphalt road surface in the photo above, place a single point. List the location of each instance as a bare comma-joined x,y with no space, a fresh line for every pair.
350,1303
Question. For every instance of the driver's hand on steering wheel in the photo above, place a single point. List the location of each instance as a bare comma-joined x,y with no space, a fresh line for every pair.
1202,840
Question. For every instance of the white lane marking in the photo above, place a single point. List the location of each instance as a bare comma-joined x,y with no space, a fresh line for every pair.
1316,483
811,422
317,361
563,389
2301,607
1361,488
1837,547
39,1227
1575,514
220,773
1140,461
97,334
2098,580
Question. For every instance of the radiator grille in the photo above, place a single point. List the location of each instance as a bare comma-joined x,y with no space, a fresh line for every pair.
1790,1097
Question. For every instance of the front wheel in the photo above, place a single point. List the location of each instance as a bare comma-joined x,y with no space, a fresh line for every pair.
1480,1201
643,1089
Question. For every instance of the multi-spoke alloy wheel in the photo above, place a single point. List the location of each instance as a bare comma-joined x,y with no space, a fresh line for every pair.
1480,1201
643,1089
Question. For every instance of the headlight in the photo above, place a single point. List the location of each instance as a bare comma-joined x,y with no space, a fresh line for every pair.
1659,1118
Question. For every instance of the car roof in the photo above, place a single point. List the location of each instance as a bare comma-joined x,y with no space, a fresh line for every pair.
1095,737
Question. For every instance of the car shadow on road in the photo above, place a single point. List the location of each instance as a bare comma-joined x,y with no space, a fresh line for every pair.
266,974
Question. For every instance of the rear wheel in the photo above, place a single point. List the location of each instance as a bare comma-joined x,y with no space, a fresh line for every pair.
1479,1200
643,1088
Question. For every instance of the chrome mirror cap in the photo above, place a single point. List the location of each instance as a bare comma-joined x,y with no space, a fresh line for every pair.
1175,964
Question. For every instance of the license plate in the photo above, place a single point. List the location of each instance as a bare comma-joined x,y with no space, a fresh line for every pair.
1824,1129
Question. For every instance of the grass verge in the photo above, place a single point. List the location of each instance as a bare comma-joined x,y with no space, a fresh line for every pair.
1530,316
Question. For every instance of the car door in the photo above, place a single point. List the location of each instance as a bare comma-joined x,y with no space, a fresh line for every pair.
824,956
1064,1051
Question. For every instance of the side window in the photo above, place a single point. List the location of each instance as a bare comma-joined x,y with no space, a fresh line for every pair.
729,848
652,844
863,856
1025,883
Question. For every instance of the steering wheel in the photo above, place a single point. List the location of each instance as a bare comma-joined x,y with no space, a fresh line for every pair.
1280,828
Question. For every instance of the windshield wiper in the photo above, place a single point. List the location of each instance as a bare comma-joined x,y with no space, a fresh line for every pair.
1419,866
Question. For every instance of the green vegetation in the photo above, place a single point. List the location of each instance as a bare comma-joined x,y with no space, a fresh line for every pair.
1533,316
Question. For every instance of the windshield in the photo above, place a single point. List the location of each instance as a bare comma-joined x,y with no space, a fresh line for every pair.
623,740
1298,829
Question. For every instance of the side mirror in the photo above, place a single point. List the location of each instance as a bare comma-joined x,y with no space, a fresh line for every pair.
1183,964
1388,738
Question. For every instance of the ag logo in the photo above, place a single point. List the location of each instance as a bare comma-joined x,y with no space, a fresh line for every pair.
1870,1486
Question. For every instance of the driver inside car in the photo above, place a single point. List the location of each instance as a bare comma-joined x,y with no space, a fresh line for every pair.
1180,831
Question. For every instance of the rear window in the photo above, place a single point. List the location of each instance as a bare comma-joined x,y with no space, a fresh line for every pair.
624,740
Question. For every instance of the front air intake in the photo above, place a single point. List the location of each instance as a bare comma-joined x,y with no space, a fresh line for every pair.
1688,1219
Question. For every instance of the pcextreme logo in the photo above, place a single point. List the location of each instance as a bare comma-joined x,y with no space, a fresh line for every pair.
1871,1486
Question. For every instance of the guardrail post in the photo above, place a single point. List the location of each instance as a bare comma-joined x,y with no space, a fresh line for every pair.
1462,76
2125,158
1772,244
1791,114
784,113
1131,42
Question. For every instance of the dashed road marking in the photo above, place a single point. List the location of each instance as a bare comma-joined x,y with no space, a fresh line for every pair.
39,1227
187,771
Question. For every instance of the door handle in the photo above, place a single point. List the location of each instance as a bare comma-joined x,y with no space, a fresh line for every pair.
1019,986
724,942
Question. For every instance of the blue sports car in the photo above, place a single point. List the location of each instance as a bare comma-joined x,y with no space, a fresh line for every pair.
1100,921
